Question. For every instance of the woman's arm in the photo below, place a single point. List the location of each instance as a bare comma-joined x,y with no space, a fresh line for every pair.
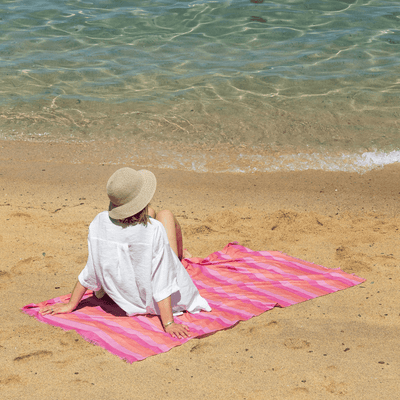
62,308
167,319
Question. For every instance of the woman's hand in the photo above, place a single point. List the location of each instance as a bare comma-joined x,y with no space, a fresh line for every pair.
63,308
58,308
167,319
178,331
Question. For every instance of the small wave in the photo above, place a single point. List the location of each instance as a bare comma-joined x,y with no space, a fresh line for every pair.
223,162
202,159
322,161
379,159
359,163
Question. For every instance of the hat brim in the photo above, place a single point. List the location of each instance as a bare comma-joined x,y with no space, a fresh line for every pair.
140,201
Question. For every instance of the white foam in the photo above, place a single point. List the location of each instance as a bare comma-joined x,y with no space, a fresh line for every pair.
252,163
351,162
374,159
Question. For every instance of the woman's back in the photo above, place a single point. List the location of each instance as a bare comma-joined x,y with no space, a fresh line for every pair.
136,267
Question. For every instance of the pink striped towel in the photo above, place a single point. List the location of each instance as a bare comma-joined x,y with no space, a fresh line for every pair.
237,282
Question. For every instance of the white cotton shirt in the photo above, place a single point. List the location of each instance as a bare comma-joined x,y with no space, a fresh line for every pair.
137,268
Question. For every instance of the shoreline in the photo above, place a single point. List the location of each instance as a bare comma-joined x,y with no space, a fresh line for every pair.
335,219
220,158
328,191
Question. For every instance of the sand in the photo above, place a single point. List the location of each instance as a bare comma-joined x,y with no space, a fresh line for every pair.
341,345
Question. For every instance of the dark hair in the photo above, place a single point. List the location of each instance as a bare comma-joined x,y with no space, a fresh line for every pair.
142,217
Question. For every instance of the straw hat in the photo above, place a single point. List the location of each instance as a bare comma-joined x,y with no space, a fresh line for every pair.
130,191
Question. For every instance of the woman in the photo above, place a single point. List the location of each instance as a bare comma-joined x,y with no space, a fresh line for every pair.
134,256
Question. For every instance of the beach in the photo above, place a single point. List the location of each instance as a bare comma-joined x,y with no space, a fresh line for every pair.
341,345
271,124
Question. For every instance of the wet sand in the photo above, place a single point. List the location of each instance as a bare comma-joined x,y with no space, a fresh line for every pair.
341,345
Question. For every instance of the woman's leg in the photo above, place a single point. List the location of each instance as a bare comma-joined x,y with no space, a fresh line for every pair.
174,231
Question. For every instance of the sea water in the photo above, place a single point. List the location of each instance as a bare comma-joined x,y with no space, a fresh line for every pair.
237,85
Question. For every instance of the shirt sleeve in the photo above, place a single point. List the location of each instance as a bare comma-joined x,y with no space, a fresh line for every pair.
87,277
164,274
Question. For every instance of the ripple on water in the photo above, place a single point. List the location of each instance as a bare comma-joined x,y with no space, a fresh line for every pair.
253,71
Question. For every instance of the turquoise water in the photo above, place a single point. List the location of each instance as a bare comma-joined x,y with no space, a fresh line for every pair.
265,85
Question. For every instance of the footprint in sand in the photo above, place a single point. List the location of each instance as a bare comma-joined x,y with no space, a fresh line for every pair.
296,344
353,262
10,380
81,259
24,265
4,277
4,274
46,264
34,356
336,388
202,229
51,265
200,348
19,215
259,329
